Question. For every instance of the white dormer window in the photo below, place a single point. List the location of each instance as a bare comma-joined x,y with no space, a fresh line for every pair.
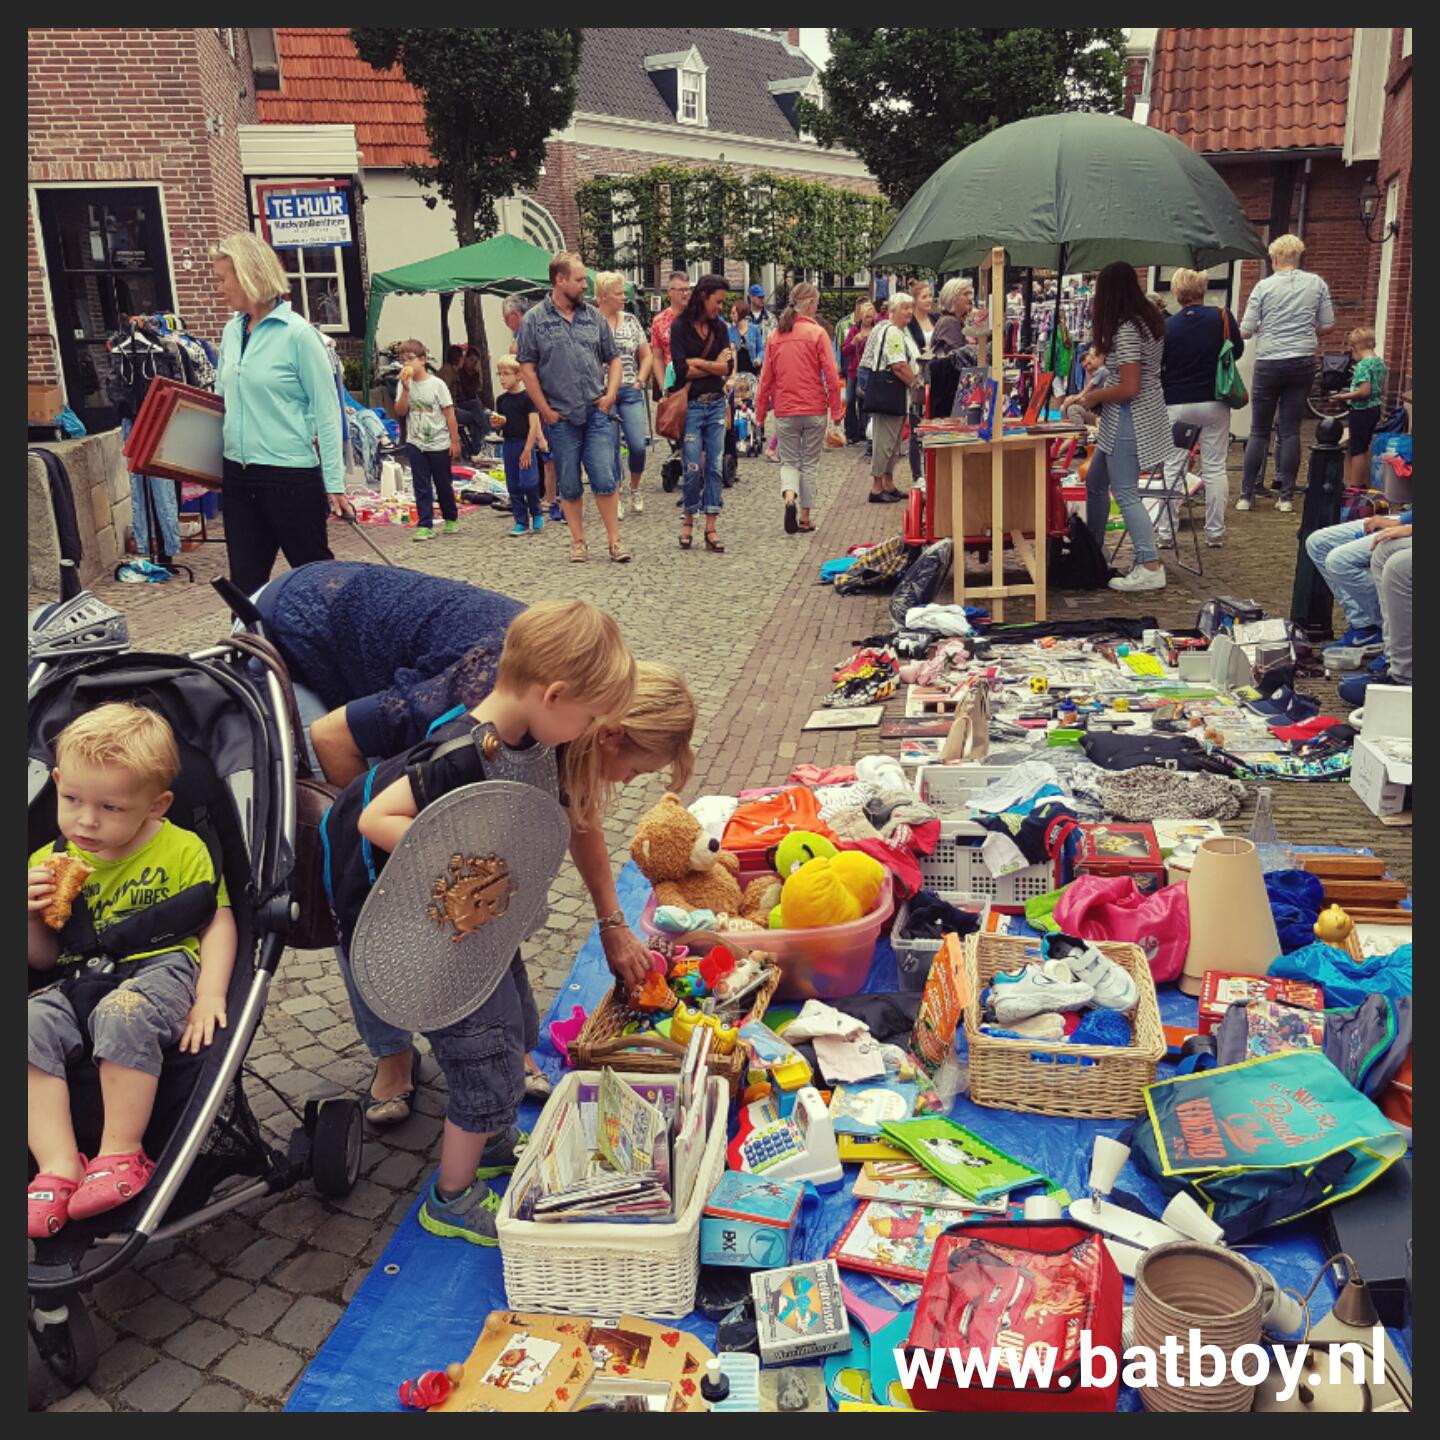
786,92
680,77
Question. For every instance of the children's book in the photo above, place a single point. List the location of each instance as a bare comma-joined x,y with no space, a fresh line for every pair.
894,1240
929,1192
861,1109
960,1158
866,1147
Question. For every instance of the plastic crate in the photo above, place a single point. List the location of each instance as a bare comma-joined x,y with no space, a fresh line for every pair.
955,866
913,957
946,788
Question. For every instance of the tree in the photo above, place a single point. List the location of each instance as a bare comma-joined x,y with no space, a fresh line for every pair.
492,99
905,100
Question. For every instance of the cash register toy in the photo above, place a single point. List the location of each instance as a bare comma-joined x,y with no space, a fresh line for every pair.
800,1148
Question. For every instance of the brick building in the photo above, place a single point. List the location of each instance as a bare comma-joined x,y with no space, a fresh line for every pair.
134,170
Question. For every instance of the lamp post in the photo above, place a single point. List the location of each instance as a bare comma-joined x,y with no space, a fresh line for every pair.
1369,208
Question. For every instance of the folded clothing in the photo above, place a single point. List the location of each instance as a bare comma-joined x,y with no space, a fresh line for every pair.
929,918
1146,792
1306,729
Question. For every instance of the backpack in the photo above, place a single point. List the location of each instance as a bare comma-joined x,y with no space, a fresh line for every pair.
1361,504
1076,562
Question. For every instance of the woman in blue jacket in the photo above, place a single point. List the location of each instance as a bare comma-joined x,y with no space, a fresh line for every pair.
283,472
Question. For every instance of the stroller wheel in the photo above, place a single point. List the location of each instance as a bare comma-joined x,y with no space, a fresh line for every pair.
335,1145
67,1346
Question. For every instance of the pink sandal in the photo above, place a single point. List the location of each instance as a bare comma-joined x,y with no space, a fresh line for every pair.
110,1180
49,1203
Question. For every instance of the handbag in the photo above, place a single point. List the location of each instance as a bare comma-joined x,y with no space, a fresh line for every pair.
670,413
885,392
1229,387
1094,907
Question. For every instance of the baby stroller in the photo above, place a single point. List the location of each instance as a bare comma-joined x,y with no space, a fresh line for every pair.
236,789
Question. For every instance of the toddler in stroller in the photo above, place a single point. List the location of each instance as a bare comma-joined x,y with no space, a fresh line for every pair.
231,817
672,470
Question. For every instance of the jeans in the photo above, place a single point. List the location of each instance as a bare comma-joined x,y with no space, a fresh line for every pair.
474,414
1341,554
1119,471
1390,568
630,407
704,446
1213,418
1278,385
854,424
379,1036
430,475
270,508
589,440
523,485
167,508
801,440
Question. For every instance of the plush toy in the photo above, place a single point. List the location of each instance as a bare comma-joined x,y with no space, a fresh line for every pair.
798,847
831,892
686,865
862,875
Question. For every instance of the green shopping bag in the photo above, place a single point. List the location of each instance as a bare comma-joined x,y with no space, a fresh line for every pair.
1229,387
1264,1141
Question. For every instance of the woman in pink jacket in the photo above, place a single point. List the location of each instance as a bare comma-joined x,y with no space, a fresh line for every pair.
800,382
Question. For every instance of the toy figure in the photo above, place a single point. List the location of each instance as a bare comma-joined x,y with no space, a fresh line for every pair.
432,1388
654,994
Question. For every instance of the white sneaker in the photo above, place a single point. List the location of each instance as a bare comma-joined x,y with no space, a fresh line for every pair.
1140,579
1214,544
1051,988
637,502
1114,985
1284,506
1243,505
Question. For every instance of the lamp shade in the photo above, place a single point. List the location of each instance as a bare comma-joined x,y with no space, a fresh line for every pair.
1231,927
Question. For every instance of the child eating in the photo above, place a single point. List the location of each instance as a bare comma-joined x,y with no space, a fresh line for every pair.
432,439
113,770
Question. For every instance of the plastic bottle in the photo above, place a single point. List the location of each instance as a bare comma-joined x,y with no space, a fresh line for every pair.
1264,836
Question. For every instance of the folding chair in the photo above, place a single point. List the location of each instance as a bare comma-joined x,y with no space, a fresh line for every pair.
1179,496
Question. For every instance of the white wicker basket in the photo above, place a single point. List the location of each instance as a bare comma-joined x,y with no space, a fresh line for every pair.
595,1268
955,865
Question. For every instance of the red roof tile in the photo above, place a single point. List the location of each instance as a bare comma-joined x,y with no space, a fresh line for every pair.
1227,90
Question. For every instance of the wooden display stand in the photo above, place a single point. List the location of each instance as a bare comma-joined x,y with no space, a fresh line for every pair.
997,487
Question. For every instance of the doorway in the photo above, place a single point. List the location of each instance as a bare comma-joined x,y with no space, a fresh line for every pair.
105,254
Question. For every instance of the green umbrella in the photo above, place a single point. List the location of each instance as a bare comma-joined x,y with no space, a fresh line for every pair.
1070,193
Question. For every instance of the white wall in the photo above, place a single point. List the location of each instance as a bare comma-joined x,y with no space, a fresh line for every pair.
400,230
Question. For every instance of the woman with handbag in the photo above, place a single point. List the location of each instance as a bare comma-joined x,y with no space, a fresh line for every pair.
694,410
800,381
1194,338
893,361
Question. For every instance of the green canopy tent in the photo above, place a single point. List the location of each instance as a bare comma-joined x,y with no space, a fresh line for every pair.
502,265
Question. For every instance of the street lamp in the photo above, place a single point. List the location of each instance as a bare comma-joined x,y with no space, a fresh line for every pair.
1369,208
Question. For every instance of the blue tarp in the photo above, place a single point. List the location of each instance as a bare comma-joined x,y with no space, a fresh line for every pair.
424,1302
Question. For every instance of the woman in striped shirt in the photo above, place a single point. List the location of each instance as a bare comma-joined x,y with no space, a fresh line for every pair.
1134,424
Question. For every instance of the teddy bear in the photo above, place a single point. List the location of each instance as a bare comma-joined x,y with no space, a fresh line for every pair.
683,862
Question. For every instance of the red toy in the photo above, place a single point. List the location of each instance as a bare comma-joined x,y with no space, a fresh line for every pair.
716,965
432,1388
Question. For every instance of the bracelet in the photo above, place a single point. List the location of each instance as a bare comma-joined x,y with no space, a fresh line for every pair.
615,920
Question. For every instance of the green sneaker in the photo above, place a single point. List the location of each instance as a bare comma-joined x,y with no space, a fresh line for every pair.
469,1216
423,532
452,527
502,1154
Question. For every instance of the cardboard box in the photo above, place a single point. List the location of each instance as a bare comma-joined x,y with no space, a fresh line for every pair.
1381,761
1113,849
1218,991
749,1221
800,1312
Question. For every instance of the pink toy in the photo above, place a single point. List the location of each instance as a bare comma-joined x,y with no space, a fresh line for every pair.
562,1032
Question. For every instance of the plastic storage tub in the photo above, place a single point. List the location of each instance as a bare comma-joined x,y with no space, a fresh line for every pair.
814,964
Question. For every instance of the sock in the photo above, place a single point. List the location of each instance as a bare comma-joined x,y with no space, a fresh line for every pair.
449,1197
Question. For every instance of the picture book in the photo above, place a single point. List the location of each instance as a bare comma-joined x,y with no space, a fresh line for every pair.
961,1159
861,1109
866,1147
927,1192
1272,1027
893,1240
941,1007
799,1312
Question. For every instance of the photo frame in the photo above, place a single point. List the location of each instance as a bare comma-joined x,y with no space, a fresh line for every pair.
179,435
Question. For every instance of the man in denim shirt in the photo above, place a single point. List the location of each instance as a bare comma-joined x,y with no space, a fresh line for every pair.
571,371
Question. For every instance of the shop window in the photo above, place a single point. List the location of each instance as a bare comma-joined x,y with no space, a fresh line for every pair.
317,286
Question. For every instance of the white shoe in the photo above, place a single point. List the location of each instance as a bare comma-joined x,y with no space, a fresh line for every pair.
1114,986
1214,544
1242,505
1284,506
1051,988
1140,579
637,502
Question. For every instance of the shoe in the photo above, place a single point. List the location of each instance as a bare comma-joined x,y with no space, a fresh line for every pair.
620,504
469,1216
1214,544
792,520
451,527
382,1113
619,554
1114,985
1052,987
537,524
579,552
502,1154
894,497
1243,505
1352,691
423,532
1140,579
1284,506
1040,1027
876,497
109,1181
637,502
1380,665
518,529
556,513
49,1202
1355,635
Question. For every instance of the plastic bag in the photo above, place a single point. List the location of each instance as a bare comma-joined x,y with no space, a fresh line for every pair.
1095,908
922,581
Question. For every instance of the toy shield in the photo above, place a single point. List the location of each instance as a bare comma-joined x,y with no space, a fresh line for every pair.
466,885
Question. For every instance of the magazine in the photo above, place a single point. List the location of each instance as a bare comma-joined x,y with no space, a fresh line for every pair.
628,1126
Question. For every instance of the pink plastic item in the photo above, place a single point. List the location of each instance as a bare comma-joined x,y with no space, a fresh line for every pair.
562,1032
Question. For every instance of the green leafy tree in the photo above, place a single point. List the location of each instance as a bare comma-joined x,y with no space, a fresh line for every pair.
492,98
905,100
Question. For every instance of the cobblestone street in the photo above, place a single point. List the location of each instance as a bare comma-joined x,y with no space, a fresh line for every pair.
227,1318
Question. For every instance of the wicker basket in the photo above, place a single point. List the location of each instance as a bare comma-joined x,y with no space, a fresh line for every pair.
1086,1082
649,1053
595,1268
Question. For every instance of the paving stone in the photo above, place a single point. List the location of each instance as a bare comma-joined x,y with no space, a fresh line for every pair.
312,1057
258,1260
295,1219
322,1019
200,1343
214,1399
259,1311
313,1273
304,970
377,1246
181,1280
352,1286
122,1292
270,1065
297,1085
401,1208
81,1401
163,1387
265,1104
339,1037
429,1101
344,1234
159,1252
260,1045
349,1073
367,1200
398,1169
260,1366
300,1004
124,1360
419,1132
156,1318
217,1302
307,1324
217,1243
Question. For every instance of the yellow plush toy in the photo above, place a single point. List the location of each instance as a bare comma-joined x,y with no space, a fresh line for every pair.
830,892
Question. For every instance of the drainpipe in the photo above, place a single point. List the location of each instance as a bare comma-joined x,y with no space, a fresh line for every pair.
1304,192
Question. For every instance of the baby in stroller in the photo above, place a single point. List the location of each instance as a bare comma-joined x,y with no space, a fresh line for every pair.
119,865
739,398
